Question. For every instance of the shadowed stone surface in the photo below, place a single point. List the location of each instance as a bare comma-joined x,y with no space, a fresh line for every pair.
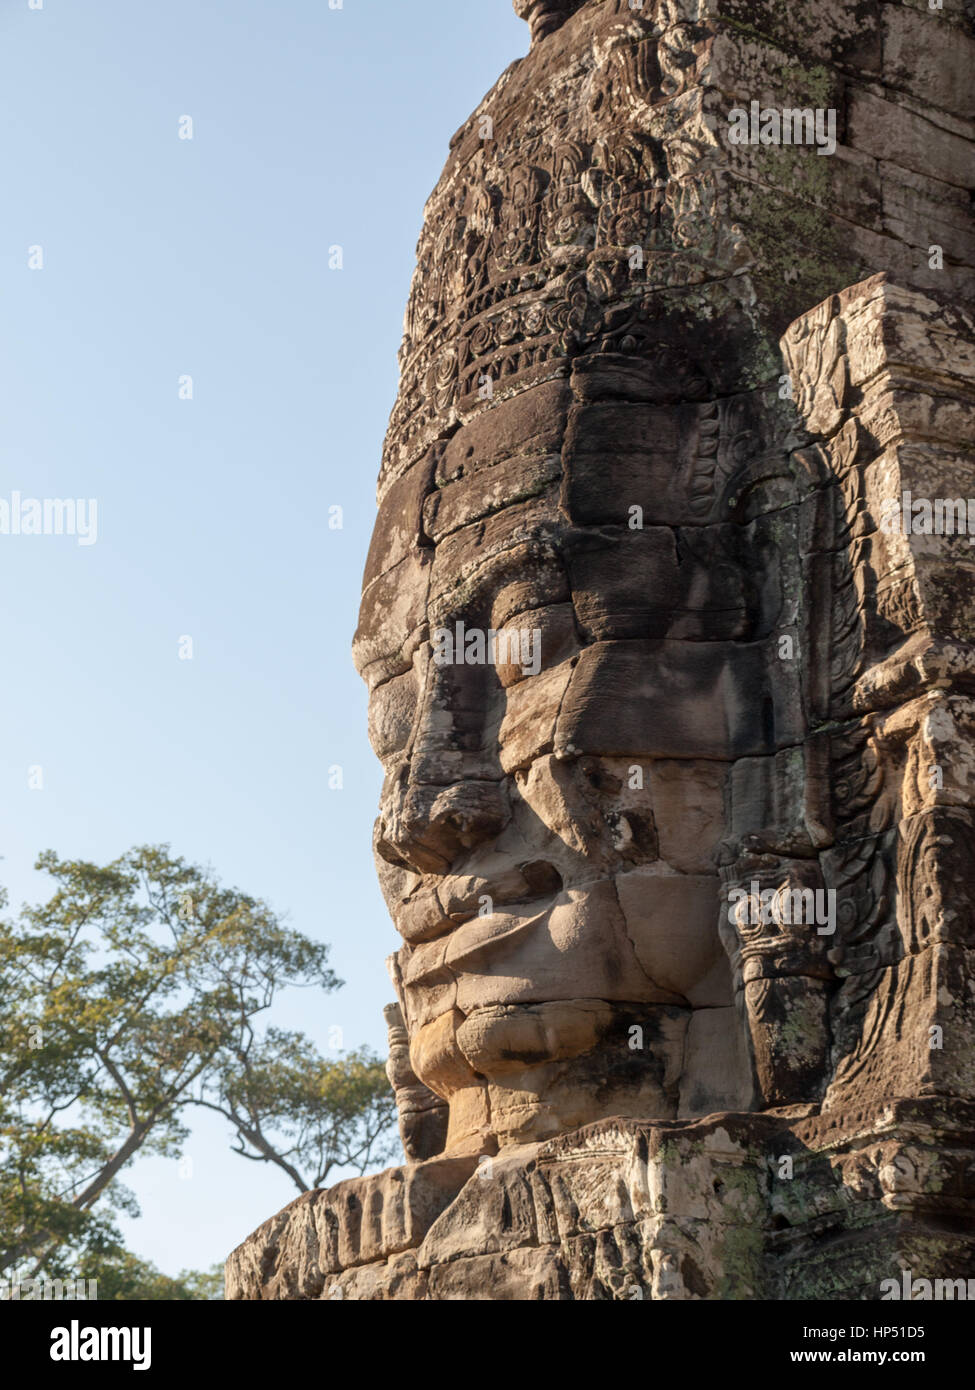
686,876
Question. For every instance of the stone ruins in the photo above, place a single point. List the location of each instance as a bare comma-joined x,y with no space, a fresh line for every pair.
686,995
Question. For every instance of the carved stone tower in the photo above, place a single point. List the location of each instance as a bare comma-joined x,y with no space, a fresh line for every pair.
667,624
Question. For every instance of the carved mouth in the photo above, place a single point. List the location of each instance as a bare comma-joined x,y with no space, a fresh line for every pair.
569,946
471,946
481,939
441,904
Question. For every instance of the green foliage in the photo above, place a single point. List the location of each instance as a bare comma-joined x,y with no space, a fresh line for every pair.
308,1115
123,1277
130,996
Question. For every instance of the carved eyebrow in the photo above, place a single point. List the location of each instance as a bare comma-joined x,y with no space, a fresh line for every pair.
480,584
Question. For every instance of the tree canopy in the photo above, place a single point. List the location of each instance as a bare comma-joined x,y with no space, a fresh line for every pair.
135,993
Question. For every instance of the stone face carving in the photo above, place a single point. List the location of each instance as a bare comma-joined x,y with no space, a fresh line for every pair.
659,690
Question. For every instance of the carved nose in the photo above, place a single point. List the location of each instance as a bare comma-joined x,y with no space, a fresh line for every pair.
425,828
447,795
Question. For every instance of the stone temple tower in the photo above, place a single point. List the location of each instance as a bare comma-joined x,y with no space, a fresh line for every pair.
668,629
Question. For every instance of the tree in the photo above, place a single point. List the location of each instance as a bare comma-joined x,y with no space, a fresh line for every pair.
292,1108
122,1277
133,994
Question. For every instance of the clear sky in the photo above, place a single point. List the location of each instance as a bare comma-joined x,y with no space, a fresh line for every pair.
164,258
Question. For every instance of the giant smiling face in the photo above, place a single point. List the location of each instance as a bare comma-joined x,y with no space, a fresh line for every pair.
570,598
564,667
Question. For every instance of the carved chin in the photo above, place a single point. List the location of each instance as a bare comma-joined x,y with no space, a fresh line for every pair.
521,1072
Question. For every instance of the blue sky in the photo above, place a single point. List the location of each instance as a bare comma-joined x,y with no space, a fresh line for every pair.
208,257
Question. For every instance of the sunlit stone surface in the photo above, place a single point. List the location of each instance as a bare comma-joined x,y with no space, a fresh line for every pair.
676,721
